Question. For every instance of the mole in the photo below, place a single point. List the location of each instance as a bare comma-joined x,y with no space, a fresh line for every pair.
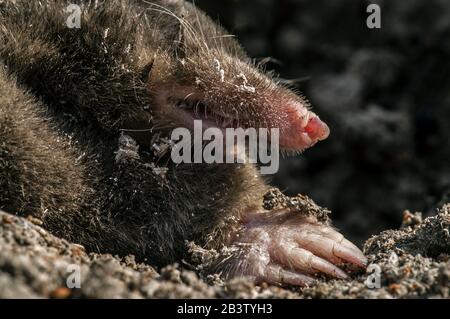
86,113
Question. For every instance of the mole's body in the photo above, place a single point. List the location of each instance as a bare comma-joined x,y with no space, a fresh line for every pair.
84,113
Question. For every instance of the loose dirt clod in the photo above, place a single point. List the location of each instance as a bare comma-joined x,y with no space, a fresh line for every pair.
275,199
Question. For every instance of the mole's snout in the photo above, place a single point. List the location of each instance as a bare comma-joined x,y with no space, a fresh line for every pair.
301,128
317,130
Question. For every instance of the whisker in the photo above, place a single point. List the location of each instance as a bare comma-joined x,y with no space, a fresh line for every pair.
161,9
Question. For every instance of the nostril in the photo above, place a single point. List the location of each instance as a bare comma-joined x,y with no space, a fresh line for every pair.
310,128
316,129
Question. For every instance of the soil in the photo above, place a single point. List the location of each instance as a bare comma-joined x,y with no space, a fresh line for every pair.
411,262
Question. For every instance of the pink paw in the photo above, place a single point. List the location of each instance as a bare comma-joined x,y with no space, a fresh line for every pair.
285,248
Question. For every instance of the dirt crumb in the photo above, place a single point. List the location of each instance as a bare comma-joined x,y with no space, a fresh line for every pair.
275,199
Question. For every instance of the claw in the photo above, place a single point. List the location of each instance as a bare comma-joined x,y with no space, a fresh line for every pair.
350,245
351,255
338,248
305,261
332,234
277,275
319,245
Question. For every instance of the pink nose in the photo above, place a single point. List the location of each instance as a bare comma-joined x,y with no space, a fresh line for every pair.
317,130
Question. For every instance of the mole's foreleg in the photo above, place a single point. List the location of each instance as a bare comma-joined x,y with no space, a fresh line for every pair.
286,248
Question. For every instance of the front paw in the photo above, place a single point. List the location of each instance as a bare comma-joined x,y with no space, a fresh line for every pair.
286,248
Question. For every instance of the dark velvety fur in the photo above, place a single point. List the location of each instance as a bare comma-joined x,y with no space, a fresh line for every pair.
66,95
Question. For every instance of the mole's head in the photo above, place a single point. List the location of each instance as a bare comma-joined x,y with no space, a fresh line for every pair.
203,73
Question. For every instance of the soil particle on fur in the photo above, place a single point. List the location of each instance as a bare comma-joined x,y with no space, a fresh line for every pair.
411,262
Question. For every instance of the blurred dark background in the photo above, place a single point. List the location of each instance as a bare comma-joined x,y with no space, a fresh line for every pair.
384,93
